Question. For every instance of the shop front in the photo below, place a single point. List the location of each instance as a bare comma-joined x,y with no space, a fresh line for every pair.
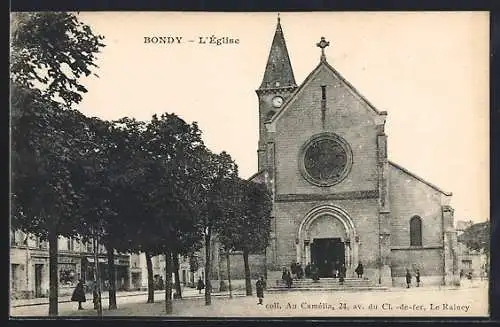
69,268
122,267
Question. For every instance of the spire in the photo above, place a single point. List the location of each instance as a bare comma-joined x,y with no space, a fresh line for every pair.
279,71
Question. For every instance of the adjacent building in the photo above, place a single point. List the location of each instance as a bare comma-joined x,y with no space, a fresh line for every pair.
29,266
189,272
470,261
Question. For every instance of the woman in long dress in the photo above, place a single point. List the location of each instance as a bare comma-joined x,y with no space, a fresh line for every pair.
79,294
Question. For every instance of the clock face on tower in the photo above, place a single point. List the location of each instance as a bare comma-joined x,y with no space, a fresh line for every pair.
325,160
277,101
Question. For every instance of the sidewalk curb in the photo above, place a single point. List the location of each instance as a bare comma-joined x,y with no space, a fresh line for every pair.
196,296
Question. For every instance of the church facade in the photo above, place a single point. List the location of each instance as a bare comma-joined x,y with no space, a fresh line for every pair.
337,198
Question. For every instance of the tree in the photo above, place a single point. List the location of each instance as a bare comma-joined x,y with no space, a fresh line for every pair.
49,52
254,224
477,237
44,202
173,169
92,183
219,169
234,209
194,265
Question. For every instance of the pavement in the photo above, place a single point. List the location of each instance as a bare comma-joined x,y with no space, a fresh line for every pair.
186,292
467,300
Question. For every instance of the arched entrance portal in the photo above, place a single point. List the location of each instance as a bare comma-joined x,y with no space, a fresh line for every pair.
327,237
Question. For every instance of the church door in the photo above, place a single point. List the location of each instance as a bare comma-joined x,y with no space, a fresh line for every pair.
327,254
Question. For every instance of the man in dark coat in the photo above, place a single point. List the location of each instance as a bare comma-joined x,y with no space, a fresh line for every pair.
95,296
293,269
200,285
260,286
359,270
161,284
408,278
79,294
300,271
417,277
342,273
284,275
289,279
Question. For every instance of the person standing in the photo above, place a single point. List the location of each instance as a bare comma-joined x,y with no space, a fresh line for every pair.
260,286
200,285
161,284
293,269
342,273
336,269
284,276
417,278
289,279
95,296
408,278
308,270
300,271
359,270
314,273
79,294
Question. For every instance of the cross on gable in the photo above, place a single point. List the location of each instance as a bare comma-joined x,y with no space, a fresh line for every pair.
323,43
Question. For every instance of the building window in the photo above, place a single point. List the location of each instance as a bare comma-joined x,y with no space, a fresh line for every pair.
68,274
415,231
15,277
323,92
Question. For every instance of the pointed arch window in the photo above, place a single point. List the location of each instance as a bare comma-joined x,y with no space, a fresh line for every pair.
415,231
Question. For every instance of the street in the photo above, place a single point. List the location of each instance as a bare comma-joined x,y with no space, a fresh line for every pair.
465,301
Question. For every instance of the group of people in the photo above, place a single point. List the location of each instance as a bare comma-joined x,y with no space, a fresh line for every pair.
409,277
467,275
311,271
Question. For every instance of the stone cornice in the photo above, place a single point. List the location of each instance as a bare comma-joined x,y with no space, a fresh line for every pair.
276,90
411,248
322,197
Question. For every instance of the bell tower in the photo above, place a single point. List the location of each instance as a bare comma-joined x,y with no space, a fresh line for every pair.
276,87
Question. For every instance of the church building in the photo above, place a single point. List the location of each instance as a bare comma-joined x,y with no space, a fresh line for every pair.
337,198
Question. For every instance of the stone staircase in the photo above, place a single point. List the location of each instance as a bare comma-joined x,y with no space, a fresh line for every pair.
327,284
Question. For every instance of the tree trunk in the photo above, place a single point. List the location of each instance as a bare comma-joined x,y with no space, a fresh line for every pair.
248,283
208,284
168,282
229,275
178,289
97,276
53,278
151,284
265,264
111,277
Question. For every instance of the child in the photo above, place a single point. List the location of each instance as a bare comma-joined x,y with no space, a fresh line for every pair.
259,286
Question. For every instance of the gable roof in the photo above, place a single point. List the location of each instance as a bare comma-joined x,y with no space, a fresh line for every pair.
406,171
258,177
349,86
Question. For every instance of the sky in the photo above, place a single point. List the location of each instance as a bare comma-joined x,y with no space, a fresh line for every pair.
428,70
